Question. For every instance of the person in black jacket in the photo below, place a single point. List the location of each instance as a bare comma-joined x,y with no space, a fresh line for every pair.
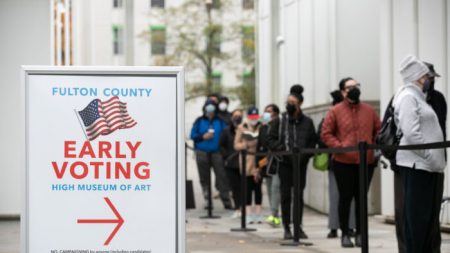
297,131
437,101
223,113
231,159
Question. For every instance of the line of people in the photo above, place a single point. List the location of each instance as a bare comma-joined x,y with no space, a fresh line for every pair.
219,134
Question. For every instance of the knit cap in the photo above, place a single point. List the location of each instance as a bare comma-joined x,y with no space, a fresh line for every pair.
412,69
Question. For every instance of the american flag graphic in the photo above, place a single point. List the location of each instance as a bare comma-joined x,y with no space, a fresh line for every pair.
104,117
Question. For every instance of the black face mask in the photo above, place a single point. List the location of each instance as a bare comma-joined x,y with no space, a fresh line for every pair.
237,120
353,95
430,90
291,109
426,86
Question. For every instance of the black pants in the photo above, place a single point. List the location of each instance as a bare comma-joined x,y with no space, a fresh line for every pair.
347,179
206,160
234,178
286,183
421,209
255,187
399,203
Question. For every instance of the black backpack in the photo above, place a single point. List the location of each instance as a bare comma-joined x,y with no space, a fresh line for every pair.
388,133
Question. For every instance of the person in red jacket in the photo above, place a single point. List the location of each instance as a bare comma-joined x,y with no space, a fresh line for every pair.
347,124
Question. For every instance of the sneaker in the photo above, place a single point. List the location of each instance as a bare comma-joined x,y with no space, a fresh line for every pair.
228,207
358,240
270,219
250,219
287,234
236,214
346,242
273,221
332,234
276,222
207,206
351,233
259,219
303,234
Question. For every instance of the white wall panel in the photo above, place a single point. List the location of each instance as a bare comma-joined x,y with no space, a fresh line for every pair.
306,55
291,53
358,44
25,41
322,62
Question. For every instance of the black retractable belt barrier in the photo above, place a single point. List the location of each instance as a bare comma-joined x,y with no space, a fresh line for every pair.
243,227
210,204
362,148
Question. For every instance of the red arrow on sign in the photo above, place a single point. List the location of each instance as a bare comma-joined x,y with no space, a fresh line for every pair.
119,221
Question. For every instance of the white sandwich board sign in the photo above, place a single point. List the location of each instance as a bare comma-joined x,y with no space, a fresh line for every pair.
104,165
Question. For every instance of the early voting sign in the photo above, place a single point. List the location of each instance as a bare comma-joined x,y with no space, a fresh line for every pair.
104,160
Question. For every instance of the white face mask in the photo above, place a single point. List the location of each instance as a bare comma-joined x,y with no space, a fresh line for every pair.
223,106
253,122
266,117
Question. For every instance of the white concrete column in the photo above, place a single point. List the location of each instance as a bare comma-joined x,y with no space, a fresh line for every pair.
386,83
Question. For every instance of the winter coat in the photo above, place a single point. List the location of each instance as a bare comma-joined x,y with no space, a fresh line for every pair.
419,124
201,126
346,125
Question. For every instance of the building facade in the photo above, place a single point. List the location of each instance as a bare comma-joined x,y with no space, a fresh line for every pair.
318,42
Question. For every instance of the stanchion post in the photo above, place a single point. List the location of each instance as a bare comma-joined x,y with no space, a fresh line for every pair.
363,184
210,214
243,227
296,154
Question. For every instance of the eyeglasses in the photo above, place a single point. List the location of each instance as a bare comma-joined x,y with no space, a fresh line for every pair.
358,85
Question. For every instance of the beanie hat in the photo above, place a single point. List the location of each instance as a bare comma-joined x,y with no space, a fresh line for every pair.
297,91
412,69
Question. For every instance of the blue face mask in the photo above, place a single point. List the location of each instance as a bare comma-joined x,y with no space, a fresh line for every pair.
266,117
210,108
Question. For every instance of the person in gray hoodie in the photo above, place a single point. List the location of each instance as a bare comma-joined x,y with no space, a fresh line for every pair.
420,169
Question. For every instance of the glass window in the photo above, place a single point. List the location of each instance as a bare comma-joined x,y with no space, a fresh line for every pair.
248,42
248,78
157,3
216,81
117,40
216,39
158,40
248,4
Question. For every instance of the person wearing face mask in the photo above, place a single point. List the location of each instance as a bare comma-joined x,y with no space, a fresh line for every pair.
420,170
231,160
437,101
246,139
206,133
223,113
333,193
297,131
345,125
270,117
